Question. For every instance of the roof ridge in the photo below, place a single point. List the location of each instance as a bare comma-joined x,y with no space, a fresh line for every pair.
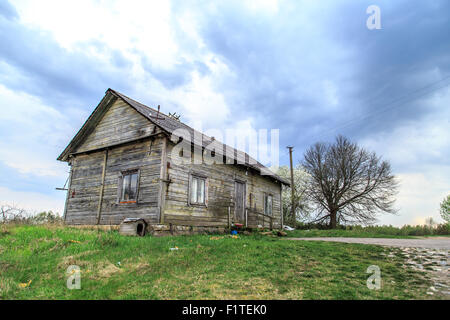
144,105
154,110
173,125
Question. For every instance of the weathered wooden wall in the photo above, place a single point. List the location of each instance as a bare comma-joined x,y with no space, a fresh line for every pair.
84,189
118,130
221,193
120,124
87,176
135,156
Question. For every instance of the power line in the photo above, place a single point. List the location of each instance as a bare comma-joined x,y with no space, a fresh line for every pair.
376,97
391,105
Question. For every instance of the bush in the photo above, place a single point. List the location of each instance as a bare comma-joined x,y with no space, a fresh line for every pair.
46,217
406,230
443,229
14,215
308,226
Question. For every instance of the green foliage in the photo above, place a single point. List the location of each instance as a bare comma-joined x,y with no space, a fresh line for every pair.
45,217
10,214
204,267
443,229
317,230
445,209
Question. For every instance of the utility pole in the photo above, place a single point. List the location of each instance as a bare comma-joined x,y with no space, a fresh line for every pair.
292,185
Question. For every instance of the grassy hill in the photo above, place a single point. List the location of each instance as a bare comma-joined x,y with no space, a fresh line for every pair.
34,260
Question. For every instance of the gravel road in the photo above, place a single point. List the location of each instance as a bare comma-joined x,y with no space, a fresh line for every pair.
440,243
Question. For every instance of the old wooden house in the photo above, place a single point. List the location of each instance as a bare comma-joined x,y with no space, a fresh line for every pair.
122,166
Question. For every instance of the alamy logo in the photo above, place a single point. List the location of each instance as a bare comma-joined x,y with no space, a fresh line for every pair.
74,277
374,20
241,147
374,281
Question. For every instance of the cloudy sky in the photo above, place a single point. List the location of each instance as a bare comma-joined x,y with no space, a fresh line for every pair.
309,68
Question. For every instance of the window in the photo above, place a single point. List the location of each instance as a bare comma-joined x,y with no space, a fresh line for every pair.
268,204
129,187
197,190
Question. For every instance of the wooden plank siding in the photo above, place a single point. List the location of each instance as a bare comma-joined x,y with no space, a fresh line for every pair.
84,190
221,180
119,124
123,139
87,177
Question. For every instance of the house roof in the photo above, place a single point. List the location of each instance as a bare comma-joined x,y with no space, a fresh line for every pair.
166,123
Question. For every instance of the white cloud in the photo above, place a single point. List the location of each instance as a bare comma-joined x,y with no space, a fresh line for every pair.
262,6
419,197
149,29
32,201
201,102
418,152
31,134
415,143
141,26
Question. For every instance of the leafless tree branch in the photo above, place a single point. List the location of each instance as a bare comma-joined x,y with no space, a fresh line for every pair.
348,183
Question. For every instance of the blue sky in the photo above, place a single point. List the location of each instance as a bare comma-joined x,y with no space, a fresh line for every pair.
309,68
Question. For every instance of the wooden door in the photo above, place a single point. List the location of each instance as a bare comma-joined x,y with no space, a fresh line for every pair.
239,209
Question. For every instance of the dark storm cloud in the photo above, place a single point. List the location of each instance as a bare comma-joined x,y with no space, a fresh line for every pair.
281,63
43,68
312,69
286,62
34,63
412,51
177,75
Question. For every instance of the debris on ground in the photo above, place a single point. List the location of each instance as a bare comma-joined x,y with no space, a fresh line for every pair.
26,284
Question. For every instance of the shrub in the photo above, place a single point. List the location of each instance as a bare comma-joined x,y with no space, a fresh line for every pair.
406,230
443,229
13,215
46,217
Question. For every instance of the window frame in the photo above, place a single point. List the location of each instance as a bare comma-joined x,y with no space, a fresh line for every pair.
122,175
265,198
205,191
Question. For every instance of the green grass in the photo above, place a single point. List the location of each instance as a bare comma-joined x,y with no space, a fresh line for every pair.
344,233
204,267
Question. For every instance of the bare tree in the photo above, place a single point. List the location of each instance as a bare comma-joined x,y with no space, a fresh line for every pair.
347,183
11,213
